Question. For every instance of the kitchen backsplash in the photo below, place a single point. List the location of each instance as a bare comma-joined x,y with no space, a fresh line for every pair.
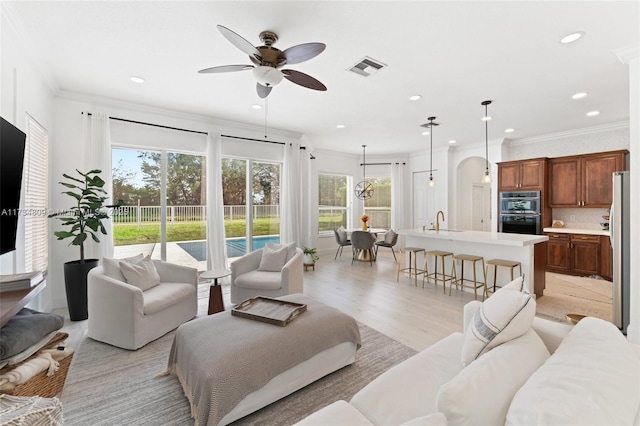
584,218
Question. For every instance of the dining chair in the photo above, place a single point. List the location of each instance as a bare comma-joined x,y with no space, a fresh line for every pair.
362,241
390,240
341,239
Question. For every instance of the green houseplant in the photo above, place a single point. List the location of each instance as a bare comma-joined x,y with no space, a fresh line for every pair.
84,220
310,255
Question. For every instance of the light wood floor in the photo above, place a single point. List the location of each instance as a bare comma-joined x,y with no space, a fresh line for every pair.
414,316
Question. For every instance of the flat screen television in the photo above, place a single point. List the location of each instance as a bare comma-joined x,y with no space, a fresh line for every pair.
12,146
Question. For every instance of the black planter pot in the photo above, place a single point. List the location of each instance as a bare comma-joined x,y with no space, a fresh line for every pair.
75,284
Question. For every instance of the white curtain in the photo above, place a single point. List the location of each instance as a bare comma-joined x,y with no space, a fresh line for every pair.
216,239
98,138
397,196
291,196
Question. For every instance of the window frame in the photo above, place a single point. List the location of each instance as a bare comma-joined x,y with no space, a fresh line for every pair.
348,208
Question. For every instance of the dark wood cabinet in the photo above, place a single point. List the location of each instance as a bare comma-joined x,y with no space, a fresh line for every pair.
524,175
579,254
559,253
584,180
585,254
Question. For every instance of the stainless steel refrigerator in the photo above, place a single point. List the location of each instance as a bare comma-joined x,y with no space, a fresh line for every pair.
619,231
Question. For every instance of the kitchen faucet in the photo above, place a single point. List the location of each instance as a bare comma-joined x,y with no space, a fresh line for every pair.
440,212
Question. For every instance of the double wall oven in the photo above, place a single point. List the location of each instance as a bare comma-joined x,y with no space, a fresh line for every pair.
520,212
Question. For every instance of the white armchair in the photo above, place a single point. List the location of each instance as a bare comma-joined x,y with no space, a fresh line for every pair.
247,281
123,315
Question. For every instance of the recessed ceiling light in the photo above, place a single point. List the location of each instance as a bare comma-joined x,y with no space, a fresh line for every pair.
592,113
414,97
570,38
487,118
341,126
425,133
136,79
256,106
579,95
509,130
452,141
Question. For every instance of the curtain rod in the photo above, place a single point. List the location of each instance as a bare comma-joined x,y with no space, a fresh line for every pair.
380,164
189,130
153,125
257,140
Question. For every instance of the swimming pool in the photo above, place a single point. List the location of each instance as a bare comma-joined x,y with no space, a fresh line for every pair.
236,247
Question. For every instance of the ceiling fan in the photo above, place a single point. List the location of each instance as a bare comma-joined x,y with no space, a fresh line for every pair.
268,60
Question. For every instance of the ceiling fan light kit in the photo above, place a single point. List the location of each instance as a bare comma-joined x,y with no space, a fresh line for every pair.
268,60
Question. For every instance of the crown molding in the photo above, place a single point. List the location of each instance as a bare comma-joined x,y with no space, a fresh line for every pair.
208,122
627,54
577,132
28,47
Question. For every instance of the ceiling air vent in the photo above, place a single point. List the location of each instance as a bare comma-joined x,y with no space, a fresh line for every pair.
367,66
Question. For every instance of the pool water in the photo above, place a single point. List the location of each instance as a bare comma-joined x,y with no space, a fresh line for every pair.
236,247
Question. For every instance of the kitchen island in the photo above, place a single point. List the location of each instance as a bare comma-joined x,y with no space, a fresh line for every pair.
530,250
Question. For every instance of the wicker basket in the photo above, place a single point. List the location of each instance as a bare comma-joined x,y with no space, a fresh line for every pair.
40,384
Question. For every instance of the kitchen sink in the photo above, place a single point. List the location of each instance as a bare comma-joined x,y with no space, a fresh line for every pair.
442,229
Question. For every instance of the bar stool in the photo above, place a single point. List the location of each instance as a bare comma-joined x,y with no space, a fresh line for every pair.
474,259
413,271
496,264
439,276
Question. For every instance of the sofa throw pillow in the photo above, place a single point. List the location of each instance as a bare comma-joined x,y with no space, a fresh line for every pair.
111,267
142,274
273,259
291,249
342,234
505,315
482,392
389,236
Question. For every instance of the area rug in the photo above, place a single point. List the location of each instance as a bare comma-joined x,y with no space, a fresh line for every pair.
111,386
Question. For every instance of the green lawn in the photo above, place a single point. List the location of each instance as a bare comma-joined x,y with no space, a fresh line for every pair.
128,233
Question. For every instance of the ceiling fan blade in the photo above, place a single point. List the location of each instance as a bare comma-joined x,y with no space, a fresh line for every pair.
263,91
303,79
225,68
303,52
239,42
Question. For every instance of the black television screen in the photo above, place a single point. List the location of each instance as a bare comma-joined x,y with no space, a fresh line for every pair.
12,145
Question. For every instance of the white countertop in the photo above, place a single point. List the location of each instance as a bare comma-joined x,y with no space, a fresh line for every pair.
496,238
578,231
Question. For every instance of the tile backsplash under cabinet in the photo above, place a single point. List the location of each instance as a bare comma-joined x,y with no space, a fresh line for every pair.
580,218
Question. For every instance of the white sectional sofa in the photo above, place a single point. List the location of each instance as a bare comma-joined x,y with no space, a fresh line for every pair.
552,374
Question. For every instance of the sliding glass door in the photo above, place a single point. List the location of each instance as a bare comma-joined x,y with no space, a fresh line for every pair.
164,197
250,221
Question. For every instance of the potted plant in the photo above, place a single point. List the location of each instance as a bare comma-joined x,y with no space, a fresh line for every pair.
310,256
84,219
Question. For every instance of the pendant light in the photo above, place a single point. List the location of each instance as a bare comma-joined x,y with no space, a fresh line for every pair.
364,189
486,177
430,125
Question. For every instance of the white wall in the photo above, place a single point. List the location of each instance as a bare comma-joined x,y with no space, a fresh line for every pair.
461,192
24,89
419,163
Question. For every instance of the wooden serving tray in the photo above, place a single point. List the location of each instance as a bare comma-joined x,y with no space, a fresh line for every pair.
272,311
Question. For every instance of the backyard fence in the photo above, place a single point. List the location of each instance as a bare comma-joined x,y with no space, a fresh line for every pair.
148,214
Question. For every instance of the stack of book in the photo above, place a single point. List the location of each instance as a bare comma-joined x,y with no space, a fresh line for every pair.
22,281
